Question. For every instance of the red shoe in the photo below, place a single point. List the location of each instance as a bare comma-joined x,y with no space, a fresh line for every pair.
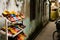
12,19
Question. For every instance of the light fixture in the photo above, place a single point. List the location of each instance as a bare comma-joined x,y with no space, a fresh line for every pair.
58,0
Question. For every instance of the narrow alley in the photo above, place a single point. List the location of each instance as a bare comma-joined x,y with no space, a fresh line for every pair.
47,32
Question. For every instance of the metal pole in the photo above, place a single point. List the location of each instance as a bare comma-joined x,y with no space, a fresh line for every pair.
6,29
6,24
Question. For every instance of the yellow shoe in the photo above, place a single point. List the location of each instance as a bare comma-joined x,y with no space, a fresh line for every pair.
12,30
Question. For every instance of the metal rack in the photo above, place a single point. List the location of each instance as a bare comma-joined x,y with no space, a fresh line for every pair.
7,24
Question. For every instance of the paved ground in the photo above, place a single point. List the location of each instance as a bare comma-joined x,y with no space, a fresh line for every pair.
47,32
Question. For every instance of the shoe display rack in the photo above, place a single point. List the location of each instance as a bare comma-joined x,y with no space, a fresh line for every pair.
14,27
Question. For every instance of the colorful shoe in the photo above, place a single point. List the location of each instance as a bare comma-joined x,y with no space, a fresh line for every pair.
19,18
12,19
12,30
22,15
15,18
16,29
